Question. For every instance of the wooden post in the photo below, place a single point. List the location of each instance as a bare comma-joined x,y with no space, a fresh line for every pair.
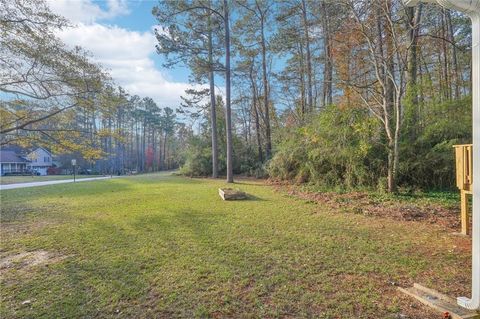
464,210
464,177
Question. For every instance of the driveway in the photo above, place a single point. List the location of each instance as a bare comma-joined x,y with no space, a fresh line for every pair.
63,181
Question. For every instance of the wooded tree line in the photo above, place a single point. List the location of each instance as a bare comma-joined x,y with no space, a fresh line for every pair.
133,134
56,97
342,93
338,93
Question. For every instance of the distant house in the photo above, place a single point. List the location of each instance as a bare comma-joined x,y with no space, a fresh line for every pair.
12,163
40,161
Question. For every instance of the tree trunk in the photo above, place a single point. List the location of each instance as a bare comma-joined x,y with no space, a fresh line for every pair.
446,69
327,53
387,77
268,135
391,177
213,109
228,111
451,36
154,147
414,15
309,57
137,138
303,104
110,146
257,119
161,154
144,146
393,103
164,150
389,58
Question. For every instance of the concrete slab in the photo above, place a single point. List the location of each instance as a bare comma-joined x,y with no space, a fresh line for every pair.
439,302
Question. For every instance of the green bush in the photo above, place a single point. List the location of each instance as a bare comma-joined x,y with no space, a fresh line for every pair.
336,148
346,148
427,158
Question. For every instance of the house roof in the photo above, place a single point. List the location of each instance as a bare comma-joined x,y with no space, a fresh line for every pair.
41,148
11,157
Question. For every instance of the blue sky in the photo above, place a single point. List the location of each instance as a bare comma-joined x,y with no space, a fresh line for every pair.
140,18
119,34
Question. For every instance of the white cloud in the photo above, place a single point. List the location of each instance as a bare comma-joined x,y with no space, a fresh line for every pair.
126,54
85,11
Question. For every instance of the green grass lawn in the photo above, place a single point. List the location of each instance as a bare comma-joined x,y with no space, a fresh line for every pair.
161,246
4,180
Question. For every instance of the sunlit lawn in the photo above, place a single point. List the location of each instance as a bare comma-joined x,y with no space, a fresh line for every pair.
160,246
30,179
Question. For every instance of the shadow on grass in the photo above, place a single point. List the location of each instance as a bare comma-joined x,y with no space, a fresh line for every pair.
170,179
249,183
446,197
251,197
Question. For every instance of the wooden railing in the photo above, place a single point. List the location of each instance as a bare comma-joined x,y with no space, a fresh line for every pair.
464,174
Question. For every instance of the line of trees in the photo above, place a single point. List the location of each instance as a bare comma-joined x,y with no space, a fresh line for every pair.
393,77
56,97
135,134
337,93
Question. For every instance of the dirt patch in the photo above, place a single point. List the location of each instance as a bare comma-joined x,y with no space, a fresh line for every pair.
362,203
25,227
29,259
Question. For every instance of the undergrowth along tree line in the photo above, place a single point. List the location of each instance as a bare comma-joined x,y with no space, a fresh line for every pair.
335,93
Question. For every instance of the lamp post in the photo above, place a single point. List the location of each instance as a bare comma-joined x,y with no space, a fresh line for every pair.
472,9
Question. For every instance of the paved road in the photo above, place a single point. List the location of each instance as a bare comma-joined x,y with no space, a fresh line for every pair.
63,181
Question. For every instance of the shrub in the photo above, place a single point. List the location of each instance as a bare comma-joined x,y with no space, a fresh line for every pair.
336,148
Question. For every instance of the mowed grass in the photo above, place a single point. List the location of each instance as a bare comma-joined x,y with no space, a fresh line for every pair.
4,180
161,246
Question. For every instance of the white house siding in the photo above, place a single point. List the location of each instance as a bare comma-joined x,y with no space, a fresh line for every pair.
12,168
42,170
10,162
41,160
